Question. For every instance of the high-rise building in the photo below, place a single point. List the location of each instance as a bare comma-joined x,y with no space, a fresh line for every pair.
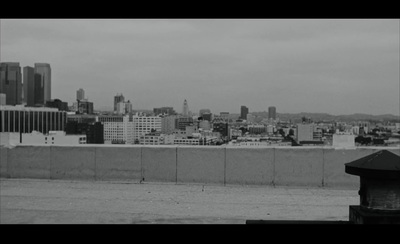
29,86
43,72
124,108
118,99
80,94
185,110
243,112
272,113
38,93
10,82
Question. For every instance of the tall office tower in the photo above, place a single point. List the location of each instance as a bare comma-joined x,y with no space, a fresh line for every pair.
10,82
80,94
44,71
29,86
38,91
243,112
118,99
185,110
271,112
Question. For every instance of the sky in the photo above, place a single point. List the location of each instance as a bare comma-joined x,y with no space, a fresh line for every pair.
335,66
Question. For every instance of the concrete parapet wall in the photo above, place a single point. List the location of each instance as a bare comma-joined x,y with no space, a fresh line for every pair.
249,166
302,166
280,166
201,164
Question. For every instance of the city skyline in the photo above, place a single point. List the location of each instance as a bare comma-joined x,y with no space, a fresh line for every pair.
327,66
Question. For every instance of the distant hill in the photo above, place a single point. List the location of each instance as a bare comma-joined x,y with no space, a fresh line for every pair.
328,117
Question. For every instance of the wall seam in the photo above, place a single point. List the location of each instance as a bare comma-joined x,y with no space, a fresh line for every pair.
95,163
141,165
323,167
176,165
50,164
273,168
225,166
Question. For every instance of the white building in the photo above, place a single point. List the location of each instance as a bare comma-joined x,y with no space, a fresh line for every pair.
117,129
37,138
343,140
143,125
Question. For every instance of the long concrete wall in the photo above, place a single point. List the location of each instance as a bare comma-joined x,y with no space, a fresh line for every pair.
280,166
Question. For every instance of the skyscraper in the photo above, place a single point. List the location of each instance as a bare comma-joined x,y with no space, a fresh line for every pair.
10,82
185,110
271,112
44,70
29,86
118,99
80,94
243,112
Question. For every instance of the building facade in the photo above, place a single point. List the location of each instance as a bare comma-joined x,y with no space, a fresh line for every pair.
185,108
272,113
118,99
143,125
29,86
243,112
43,73
10,82
28,119
80,94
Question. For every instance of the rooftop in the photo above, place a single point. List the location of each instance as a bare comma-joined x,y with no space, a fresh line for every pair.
29,201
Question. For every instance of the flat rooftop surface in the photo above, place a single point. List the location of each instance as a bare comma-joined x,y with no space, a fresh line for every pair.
28,201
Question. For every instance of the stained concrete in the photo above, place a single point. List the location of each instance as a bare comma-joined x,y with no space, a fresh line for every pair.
249,166
159,163
118,163
29,162
298,167
26,201
4,162
201,164
73,163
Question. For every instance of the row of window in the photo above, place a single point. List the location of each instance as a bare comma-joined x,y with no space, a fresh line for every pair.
27,121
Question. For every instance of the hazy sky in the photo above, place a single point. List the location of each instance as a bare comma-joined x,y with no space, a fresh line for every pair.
336,66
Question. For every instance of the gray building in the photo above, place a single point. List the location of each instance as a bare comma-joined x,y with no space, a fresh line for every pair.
80,94
43,74
271,112
10,82
29,86
243,112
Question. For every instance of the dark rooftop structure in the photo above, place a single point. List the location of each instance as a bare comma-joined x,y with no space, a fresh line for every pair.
379,188
382,164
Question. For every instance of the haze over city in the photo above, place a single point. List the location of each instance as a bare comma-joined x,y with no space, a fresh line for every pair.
336,66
